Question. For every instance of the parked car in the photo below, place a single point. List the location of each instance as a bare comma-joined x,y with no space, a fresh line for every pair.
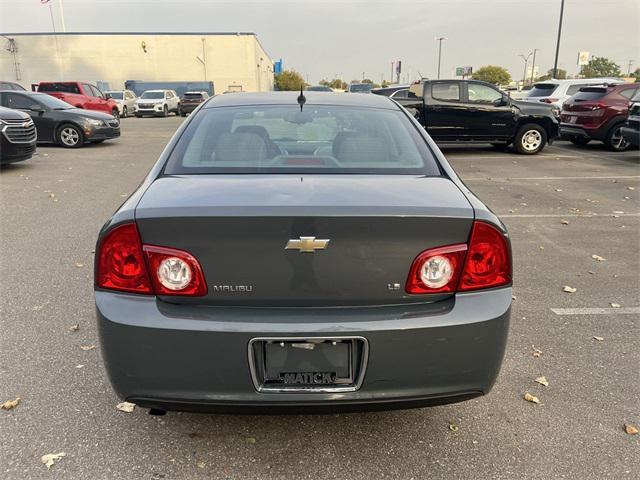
17,136
631,129
556,92
190,101
470,111
179,87
158,103
598,113
125,99
359,88
80,95
319,88
10,86
287,270
400,91
61,123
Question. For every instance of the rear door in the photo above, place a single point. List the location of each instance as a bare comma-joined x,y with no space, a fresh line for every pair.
488,111
444,113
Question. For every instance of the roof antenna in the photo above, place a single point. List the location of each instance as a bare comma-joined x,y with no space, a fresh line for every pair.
301,98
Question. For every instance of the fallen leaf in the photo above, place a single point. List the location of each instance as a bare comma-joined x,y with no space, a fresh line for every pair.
201,464
79,264
251,440
86,348
126,407
532,398
599,339
453,428
558,189
631,188
52,195
618,212
542,381
564,222
513,297
79,366
74,328
615,305
537,353
50,458
10,404
630,428
569,289
591,272
598,258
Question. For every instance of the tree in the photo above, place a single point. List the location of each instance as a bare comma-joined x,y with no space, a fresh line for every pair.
492,74
560,75
636,74
600,67
336,84
289,80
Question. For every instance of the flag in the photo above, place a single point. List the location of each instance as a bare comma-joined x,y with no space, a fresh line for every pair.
44,1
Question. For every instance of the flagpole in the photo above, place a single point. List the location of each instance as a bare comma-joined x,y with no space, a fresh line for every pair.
64,28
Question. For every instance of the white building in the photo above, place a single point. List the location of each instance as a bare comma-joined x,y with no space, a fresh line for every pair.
233,61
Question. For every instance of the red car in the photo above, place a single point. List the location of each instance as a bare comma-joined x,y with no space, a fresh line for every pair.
80,95
598,113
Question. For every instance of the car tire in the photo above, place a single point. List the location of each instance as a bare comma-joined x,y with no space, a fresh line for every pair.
138,116
579,140
165,111
530,139
614,140
125,112
115,113
179,111
69,136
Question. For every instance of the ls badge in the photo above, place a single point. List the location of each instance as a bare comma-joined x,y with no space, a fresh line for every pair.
307,244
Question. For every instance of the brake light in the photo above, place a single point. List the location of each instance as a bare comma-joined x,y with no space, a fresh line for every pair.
120,264
483,263
124,264
174,272
550,100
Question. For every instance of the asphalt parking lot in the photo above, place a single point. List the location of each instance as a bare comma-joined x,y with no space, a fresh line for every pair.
562,207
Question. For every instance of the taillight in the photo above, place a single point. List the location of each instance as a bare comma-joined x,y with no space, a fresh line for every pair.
549,100
122,266
174,272
483,263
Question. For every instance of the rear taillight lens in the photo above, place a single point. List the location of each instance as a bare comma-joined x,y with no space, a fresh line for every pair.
549,100
124,264
484,263
174,272
488,262
120,264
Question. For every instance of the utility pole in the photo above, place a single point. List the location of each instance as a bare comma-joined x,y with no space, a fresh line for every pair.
533,64
391,76
439,40
526,60
629,68
555,63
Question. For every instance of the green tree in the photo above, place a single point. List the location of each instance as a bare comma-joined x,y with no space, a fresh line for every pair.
492,74
367,80
336,83
636,74
600,67
560,75
289,80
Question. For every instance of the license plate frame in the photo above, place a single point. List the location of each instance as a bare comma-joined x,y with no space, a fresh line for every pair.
301,364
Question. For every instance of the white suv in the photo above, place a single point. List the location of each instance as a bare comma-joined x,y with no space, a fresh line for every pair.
158,103
556,92
126,101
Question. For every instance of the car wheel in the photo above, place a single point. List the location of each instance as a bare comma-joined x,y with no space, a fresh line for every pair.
70,136
125,112
179,111
530,139
165,111
115,113
579,140
614,140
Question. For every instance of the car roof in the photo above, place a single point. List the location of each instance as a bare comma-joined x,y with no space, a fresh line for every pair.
573,81
291,98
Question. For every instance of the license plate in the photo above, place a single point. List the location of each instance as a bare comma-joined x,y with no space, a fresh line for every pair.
572,119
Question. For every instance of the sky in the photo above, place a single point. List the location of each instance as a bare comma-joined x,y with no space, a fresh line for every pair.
345,39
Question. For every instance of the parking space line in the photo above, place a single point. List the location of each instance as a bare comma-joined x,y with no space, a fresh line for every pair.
565,215
608,177
597,311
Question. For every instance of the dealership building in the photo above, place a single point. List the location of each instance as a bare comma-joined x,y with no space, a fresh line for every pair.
233,61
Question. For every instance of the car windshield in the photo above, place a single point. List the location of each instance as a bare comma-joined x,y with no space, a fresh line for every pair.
52,102
320,139
59,87
587,94
360,87
542,89
116,95
153,95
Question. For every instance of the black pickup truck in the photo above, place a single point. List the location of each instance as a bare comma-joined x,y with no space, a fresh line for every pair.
470,111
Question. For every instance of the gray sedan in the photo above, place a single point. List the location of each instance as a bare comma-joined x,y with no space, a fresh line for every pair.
296,252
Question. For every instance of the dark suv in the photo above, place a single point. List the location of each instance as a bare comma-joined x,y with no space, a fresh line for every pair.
17,136
190,101
631,129
598,113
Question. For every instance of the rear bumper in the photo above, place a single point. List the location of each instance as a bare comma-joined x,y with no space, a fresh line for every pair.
188,107
568,130
173,357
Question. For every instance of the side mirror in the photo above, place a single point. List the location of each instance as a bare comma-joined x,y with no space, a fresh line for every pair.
107,96
501,102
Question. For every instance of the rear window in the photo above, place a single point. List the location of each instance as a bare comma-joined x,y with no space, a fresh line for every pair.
59,87
590,93
542,89
282,139
193,95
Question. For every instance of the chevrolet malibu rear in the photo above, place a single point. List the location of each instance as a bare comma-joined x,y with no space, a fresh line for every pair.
302,253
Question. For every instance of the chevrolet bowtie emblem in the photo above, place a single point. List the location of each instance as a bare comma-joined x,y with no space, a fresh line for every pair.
306,244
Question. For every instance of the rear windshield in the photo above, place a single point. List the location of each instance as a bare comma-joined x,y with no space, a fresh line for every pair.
282,139
59,87
360,87
193,95
590,93
542,89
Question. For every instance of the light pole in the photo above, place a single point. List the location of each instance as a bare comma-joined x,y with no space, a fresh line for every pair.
439,40
526,60
533,64
555,63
